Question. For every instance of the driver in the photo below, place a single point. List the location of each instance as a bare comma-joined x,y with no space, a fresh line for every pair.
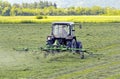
64,32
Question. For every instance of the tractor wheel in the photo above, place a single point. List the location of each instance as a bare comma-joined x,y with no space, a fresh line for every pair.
73,46
79,46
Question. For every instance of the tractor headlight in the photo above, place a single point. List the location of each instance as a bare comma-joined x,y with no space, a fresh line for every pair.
48,38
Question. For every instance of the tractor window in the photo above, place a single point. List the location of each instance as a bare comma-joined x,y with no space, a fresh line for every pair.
61,30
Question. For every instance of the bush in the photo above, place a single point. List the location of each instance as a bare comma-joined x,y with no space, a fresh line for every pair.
41,17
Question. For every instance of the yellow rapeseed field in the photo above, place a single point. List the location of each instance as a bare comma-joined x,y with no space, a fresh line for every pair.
33,19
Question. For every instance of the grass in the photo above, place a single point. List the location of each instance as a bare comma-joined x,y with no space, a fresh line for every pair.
49,19
101,38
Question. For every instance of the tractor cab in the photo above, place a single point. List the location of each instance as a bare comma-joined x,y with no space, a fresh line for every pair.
62,33
63,29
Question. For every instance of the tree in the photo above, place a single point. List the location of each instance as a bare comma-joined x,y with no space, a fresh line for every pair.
71,11
41,4
16,5
6,11
96,10
0,10
13,11
55,5
5,4
35,4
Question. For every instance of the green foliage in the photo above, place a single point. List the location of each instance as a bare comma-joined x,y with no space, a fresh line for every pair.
41,17
4,4
0,10
13,11
6,11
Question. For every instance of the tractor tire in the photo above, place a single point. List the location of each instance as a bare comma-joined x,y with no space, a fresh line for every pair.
73,46
79,46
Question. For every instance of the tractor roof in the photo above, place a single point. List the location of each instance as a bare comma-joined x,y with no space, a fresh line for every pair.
71,23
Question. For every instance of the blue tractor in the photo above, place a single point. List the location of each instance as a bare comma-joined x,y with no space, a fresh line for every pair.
63,38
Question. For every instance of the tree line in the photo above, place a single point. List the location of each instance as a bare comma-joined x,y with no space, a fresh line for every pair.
49,8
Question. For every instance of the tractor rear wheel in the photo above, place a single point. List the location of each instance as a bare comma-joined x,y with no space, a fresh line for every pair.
79,46
73,46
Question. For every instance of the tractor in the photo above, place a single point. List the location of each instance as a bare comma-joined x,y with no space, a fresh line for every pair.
63,38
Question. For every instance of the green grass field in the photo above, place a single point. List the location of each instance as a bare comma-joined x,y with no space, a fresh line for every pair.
49,19
103,39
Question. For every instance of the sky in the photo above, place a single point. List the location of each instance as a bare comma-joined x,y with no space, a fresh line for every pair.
82,3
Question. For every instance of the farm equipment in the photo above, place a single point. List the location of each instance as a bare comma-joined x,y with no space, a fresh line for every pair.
63,38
